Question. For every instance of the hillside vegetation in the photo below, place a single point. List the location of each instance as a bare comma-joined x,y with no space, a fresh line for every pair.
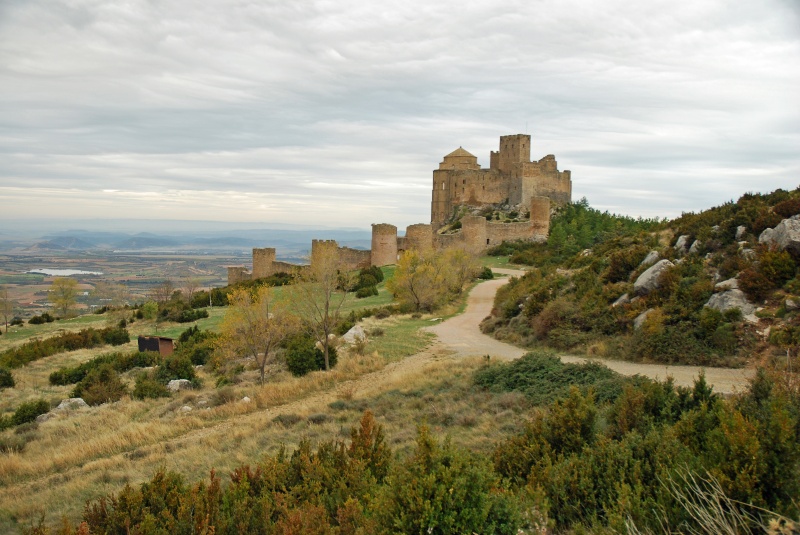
582,294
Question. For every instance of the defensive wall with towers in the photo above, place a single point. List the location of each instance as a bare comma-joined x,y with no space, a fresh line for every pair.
511,179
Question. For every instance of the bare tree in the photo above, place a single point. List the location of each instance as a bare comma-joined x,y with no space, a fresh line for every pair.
320,294
162,292
190,287
255,326
6,305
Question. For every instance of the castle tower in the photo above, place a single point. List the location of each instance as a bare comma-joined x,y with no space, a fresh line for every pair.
475,234
237,274
384,244
514,151
540,216
322,248
419,237
263,259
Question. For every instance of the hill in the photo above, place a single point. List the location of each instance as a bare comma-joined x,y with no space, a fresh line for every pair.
710,288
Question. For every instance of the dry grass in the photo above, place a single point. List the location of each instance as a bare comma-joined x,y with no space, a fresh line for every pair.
87,453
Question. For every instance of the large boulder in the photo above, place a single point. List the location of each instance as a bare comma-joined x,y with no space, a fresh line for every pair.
785,235
651,258
729,284
682,245
71,403
356,332
741,230
696,246
179,384
649,280
731,299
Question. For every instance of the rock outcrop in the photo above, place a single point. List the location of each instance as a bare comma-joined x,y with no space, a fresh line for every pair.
731,299
785,235
649,280
179,384
651,258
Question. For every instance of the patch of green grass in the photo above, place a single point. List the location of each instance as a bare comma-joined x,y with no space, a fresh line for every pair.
402,337
23,278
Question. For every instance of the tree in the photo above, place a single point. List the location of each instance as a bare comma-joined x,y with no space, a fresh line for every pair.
111,294
320,295
63,293
190,287
255,326
162,292
461,267
6,305
418,281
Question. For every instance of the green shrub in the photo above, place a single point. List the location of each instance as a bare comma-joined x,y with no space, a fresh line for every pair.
303,357
787,208
148,387
28,411
486,273
175,366
38,320
367,291
6,379
101,385
71,341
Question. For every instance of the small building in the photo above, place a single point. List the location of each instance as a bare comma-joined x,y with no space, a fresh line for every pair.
165,346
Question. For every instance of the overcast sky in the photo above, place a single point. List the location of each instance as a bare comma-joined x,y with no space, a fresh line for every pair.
336,112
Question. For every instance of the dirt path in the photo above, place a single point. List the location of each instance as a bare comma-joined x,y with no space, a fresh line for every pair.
462,334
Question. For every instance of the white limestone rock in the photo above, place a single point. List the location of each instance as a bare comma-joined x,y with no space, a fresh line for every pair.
731,299
356,332
730,284
179,384
682,245
695,248
741,230
651,258
639,320
792,303
649,280
72,403
786,235
623,299
186,408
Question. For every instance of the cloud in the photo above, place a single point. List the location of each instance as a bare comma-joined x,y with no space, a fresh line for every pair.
307,107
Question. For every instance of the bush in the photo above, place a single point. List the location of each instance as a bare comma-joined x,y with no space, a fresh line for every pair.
367,291
787,208
27,412
149,387
16,321
83,339
101,385
119,361
6,379
486,273
175,366
38,320
303,357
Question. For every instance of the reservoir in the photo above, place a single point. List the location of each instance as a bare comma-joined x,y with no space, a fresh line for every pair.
64,272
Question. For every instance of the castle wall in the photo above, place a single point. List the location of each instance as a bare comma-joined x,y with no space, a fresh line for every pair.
473,187
283,267
237,274
443,241
473,230
262,262
356,258
384,244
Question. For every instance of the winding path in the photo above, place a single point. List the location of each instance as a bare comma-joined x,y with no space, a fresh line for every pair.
462,334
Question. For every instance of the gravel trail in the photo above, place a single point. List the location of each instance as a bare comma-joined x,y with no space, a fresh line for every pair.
462,334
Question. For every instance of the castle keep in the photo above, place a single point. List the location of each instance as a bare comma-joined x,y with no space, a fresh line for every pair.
511,180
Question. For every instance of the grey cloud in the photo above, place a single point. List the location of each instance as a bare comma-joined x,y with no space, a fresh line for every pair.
359,101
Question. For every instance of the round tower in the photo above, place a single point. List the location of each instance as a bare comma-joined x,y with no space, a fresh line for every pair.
540,216
419,237
384,244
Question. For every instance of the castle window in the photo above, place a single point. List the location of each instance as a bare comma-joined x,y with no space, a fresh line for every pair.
487,241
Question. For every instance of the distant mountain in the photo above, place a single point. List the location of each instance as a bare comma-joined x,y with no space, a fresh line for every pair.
71,242
145,242
46,246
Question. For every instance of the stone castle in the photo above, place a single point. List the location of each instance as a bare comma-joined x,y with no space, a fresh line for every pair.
511,180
